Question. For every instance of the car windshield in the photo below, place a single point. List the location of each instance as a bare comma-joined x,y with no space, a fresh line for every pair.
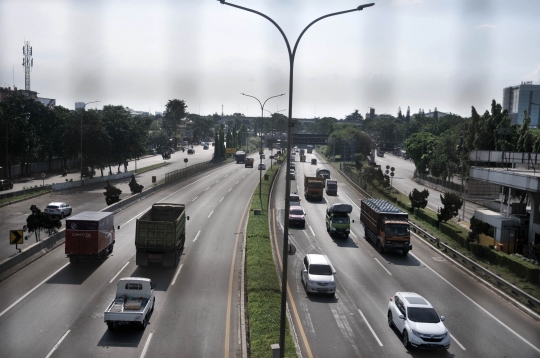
423,315
297,212
320,270
397,230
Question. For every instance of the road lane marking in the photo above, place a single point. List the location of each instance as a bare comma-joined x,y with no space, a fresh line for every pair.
195,198
176,274
222,199
237,182
352,201
210,214
229,190
57,344
383,266
145,349
226,175
291,299
352,233
371,329
115,276
476,304
455,340
196,236
218,181
32,290
207,188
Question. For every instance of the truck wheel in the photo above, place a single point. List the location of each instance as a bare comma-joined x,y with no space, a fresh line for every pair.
153,305
380,247
110,325
143,326
405,252
73,260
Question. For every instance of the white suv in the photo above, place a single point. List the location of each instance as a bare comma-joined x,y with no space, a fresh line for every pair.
58,209
317,274
417,321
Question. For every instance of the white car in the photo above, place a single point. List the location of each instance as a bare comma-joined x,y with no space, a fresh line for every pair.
58,209
417,321
317,274
262,166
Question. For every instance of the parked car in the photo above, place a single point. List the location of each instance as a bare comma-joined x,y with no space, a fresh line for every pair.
5,184
171,150
152,151
293,158
191,151
297,216
417,321
317,275
205,147
58,209
88,172
262,166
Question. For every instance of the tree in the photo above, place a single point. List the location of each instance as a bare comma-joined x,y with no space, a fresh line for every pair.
358,159
451,205
134,186
525,140
175,111
399,114
408,115
325,125
354,117
478,227
35,221
419,198
112,194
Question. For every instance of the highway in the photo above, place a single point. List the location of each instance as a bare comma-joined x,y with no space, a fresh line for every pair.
52,308
354,323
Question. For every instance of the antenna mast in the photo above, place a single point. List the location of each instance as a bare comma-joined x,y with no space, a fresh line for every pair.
28,63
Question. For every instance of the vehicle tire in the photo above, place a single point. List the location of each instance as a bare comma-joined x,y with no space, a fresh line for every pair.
61,215
143,327
73,260
70,211
405,252
380,247
390,319
110,325
153,305
405,339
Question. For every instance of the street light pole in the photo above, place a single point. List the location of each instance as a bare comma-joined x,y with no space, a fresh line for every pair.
82,111
260,134
272,147
288,182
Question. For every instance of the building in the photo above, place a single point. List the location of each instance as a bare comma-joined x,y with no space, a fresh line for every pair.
524,97
48,102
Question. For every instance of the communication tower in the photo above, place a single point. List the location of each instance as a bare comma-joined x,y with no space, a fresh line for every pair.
28,63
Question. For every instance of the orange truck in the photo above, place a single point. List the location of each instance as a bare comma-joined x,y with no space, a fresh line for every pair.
313,188
89,234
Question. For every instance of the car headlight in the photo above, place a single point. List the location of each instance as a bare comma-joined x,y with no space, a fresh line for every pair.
332,229
311,282
416,333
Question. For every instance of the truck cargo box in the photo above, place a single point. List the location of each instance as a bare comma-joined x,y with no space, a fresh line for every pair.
89,233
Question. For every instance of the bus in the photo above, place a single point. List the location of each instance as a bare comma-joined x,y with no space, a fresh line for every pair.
309,148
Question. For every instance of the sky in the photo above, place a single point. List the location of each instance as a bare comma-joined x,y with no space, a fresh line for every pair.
444,54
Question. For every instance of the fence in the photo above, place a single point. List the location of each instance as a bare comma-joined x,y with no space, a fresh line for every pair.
55,165
191,170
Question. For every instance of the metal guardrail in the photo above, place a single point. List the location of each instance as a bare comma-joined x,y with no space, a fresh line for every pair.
464,259
477,267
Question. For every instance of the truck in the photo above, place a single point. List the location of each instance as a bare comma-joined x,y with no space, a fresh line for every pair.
160,234
322,173
313,188
386,225
302,151
240,157
309,149
89,235
248,163
302,158
133,303
338,221
331,186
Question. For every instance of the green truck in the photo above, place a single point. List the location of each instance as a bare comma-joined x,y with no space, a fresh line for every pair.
160,234
338,221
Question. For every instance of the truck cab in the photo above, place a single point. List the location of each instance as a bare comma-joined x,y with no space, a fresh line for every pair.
338,221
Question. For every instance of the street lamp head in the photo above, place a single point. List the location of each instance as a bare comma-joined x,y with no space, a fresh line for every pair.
222,1
362,7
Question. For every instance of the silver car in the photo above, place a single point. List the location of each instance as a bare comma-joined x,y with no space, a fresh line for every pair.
58,209
317,275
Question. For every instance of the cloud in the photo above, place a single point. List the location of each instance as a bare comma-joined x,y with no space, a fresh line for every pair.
407,2
533,76
486,26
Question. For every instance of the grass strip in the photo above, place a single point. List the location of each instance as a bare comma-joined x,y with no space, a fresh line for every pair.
262,284
26,195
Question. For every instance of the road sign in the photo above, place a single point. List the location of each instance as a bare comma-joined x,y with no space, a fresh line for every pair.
43,175
16,237
185,160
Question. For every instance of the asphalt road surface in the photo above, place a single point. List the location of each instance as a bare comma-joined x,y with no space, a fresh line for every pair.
53,308
354,322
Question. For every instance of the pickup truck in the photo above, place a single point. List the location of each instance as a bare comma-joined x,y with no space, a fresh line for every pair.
133,303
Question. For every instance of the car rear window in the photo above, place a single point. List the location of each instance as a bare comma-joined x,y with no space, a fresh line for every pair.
320,270
297,212
52,206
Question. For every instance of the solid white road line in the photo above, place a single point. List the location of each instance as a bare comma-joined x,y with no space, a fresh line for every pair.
455,340
210,214
195,198
476,304
383,266
115,276
57,344
176,274
352,233
371,329
222,199
229,190
145,349
196,236
206,189
32,290
237,182
312,233
352,201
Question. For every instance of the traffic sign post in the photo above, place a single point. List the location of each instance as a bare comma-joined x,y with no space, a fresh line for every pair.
15,238
43,175
185,161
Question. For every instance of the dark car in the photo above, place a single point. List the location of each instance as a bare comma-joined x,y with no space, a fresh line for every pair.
191,151
5,184
297,216
205,147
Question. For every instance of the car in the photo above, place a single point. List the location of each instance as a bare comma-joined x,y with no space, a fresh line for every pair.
294,200
191,151
293,166
205,147
292,174
262,156
5,184
293,158
262,166
58,209
318,275
297,216
152,151
171,150
314,161
417,321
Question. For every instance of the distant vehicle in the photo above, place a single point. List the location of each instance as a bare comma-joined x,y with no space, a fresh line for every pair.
294,199
88,172
262,156
89,235
171,150
309,149
331,186
297,216
313,188
58,209
317,275
249,163
417,321
205,147
292,174
262,166
293,158
152,151
293,166
191,151
240,157
5,184
380,153
133,303
314,161
302,158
